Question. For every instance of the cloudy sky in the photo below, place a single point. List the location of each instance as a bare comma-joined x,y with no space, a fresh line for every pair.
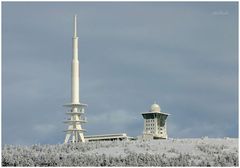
183,55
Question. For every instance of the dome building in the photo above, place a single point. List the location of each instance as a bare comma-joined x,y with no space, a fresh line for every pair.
155,125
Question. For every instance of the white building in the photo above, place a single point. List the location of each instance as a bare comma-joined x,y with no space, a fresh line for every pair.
108,137
155,125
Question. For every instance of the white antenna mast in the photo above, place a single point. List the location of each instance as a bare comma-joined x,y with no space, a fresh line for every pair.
74,133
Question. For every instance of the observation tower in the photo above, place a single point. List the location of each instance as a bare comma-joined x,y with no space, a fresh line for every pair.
155,125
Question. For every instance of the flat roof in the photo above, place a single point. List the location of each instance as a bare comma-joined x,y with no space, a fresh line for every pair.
106,135
156,113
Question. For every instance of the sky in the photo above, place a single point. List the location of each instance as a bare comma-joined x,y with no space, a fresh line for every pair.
183,55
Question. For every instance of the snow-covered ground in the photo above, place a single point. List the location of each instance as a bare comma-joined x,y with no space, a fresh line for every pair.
171,152
170,147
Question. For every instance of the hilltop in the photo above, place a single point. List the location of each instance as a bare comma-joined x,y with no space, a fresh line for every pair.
171,152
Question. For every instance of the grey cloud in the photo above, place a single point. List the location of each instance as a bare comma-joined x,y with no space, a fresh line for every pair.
130,55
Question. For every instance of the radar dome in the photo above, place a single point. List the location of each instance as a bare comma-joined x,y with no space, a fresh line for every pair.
155,108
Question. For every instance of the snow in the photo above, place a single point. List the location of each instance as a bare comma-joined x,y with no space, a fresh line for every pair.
184,146
171,152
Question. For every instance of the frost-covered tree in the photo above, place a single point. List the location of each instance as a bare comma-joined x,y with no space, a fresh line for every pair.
204,152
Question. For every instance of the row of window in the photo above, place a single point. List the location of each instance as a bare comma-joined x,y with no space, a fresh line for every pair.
149,120
149,124
160,132
150,128
160,128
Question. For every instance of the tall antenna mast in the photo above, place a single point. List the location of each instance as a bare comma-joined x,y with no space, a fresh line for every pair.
74,133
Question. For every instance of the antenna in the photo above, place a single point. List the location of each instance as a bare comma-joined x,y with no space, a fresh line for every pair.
75,26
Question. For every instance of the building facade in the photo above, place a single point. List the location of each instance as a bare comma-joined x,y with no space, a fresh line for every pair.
108,137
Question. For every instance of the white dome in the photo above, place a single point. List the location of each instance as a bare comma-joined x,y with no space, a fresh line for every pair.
155,108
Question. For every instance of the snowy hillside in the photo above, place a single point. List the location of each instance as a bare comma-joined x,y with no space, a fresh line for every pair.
172,152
